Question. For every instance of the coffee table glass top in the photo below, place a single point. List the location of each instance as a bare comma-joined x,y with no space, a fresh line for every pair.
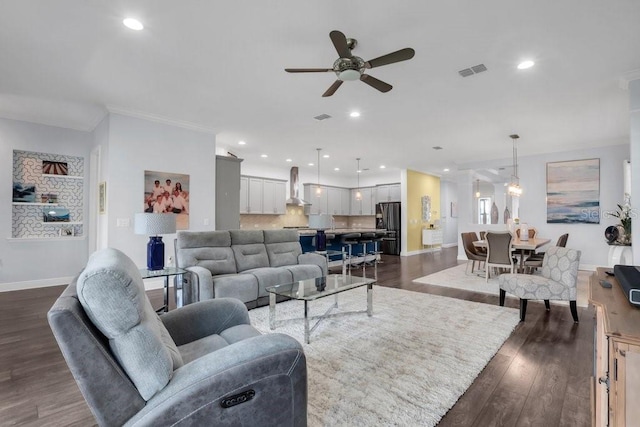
312,289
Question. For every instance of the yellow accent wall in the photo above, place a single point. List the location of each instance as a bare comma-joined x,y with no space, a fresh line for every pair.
418,185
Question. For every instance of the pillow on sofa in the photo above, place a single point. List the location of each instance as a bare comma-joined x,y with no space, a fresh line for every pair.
112,294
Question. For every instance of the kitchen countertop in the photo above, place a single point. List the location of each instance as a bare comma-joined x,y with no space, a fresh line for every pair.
337,231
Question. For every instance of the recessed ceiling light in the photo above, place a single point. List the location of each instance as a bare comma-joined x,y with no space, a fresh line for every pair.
336,169
241,143
446,169
525,64
263,156
288,160
133,24
382,166
310,164
354,114
326,156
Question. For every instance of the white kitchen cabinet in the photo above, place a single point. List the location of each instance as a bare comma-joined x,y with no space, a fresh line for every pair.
338,201
273,197
364,206
255,195
388,193
318,202
262,196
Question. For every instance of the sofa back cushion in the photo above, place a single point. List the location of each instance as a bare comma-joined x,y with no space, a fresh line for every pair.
283,247
249,249
208,249
111,291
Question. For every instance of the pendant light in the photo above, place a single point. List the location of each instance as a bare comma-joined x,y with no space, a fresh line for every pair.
358,193
477,188
318,188
514,189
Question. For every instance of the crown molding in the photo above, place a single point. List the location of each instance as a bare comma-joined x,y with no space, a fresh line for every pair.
627,77
159,119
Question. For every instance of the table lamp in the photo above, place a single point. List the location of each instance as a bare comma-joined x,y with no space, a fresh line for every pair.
320,223
154,224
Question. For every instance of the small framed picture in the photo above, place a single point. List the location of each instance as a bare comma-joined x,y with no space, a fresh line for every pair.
102,197
454,209
50,167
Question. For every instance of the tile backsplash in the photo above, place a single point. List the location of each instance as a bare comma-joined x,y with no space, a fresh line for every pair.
295,217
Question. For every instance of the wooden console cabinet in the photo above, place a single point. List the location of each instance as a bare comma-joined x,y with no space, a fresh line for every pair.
616,382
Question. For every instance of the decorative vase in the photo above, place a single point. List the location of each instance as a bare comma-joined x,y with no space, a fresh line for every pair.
507,215
494,213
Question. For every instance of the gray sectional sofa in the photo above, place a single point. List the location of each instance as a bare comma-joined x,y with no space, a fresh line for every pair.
243,263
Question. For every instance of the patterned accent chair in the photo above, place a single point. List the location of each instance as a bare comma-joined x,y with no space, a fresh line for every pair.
558,281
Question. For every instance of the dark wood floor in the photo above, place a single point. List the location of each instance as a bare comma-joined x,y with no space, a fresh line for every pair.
540,376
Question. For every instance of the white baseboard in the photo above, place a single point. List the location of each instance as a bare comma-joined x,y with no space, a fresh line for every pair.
583,267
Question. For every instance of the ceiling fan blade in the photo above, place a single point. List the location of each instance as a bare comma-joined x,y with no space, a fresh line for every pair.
332,89
340,43
375,83
390,58
307,70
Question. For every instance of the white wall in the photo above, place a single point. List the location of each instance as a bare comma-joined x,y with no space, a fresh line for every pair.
589,238
449,224
38,262
634,108
135,145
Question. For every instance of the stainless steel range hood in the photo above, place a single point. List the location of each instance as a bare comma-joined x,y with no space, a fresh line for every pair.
294,187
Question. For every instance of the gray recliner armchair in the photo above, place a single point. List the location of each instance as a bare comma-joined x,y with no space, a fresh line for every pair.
203,364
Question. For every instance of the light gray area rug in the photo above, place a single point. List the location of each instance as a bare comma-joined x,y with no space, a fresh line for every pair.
408,364
456,277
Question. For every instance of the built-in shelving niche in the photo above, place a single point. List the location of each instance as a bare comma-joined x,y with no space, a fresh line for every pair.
27,217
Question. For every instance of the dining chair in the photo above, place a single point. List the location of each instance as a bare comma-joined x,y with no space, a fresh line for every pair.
558,282
499,251
471,251
532,233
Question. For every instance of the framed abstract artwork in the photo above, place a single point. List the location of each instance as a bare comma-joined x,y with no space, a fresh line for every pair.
573,192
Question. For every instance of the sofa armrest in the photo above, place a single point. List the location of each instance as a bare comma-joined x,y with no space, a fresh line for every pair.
201,281
270,368
201,319
317,259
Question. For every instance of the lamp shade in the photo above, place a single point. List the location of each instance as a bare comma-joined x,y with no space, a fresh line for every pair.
320,222
153,224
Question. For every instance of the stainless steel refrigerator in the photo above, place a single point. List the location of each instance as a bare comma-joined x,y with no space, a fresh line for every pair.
388,217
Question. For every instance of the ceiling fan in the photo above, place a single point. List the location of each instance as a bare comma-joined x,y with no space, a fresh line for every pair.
350,67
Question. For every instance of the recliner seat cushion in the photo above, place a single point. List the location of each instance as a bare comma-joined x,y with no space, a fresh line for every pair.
112,294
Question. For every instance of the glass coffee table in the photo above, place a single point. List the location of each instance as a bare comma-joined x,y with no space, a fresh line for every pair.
313,289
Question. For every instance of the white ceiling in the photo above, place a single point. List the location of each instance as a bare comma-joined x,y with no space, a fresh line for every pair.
220,66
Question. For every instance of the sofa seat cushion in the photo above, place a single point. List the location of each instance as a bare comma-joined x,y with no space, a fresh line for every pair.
304,271
211,343
112,293
269,276
240,286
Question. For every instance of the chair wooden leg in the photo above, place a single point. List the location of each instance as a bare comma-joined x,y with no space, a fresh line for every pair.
546,305
502,295
574,310
523,309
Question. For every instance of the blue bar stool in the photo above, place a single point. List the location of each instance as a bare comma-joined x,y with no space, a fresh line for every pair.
348,240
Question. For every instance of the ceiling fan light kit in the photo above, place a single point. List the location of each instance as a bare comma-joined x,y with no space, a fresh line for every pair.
349,67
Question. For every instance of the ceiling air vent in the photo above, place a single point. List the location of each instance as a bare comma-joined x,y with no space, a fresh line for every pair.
322,117
437,147
473,70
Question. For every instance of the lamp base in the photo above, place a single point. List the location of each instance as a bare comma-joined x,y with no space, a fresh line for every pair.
155,253
321,241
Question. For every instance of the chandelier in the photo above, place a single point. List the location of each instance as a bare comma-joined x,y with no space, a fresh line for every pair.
514,189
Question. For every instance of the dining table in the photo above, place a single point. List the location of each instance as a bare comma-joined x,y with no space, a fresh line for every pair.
523,246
